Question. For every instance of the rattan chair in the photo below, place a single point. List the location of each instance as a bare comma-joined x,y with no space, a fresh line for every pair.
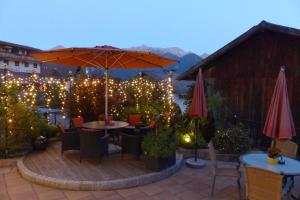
287,148
69,138
262,184
222,171
132,141
93,144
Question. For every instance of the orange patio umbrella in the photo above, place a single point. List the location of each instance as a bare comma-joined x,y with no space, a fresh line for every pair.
105,57
279,124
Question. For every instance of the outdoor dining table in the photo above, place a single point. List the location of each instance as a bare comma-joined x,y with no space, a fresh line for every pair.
259,160
98,125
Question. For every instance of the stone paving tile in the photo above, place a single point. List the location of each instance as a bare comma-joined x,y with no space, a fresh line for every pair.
135,196
4,196
188,195
151,189
75,195
128,192
112,197
51,195
164,196
103,194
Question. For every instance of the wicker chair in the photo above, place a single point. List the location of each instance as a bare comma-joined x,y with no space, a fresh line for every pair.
287,148
132,141
262,184
93,144
224,171
69,138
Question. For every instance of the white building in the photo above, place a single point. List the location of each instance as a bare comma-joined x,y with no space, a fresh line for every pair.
17,59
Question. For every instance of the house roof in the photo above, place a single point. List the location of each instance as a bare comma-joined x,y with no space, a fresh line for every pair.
190,74
3,43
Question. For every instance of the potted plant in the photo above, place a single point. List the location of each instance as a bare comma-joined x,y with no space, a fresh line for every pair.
273,154
160,149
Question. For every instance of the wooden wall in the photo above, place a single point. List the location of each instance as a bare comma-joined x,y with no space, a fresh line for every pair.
246,75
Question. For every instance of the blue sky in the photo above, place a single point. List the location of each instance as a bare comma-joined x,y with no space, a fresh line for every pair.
193,25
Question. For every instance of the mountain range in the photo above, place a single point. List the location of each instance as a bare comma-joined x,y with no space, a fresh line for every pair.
185,61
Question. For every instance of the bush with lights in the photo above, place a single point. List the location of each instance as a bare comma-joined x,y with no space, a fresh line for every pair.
140,95
20,123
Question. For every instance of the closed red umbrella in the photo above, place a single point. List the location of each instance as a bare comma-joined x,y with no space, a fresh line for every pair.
279,124
197,110
198,106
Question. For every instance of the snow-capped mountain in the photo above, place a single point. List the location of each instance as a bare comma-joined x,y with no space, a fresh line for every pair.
169,50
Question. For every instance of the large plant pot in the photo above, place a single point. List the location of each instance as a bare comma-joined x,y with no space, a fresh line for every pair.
158,164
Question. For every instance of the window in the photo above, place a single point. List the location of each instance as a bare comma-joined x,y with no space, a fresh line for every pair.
35,65
5,62
26,64
17,63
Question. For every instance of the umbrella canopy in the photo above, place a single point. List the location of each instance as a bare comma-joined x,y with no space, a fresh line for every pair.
198,106
279,123
103,57
106,57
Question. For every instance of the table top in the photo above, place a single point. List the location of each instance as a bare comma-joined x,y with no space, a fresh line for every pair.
259,160
101,125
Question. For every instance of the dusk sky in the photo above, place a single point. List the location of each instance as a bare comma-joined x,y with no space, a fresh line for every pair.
193,25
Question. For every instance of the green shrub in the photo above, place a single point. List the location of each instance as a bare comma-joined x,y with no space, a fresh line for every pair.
185,129
186,140
161,145
232,140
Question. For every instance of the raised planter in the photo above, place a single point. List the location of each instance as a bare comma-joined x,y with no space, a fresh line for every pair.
113,184
158,164
187,153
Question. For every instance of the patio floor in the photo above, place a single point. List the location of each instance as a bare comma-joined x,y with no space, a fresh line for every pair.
52,164
187,184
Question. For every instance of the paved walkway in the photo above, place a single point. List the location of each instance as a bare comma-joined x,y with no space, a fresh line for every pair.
187,184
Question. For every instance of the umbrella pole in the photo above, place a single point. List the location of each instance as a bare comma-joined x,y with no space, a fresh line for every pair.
196,134
106,94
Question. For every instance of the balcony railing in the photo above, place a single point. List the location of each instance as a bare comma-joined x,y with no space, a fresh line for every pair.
13,56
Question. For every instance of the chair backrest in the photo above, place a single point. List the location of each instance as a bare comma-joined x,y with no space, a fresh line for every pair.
213,157
77,122
61,128
287,148
152,123
92,141
134,119
262,184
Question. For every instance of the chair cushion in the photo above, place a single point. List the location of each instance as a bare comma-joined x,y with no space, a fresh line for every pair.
233,172
77,122
152,123
134,119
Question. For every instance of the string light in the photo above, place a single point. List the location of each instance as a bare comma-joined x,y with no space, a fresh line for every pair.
141,91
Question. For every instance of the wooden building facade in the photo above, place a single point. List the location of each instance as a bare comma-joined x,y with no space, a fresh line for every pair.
245,71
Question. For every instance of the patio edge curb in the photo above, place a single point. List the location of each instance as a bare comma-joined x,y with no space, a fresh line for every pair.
99,185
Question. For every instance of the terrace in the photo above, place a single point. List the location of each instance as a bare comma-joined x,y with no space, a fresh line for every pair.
129,139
